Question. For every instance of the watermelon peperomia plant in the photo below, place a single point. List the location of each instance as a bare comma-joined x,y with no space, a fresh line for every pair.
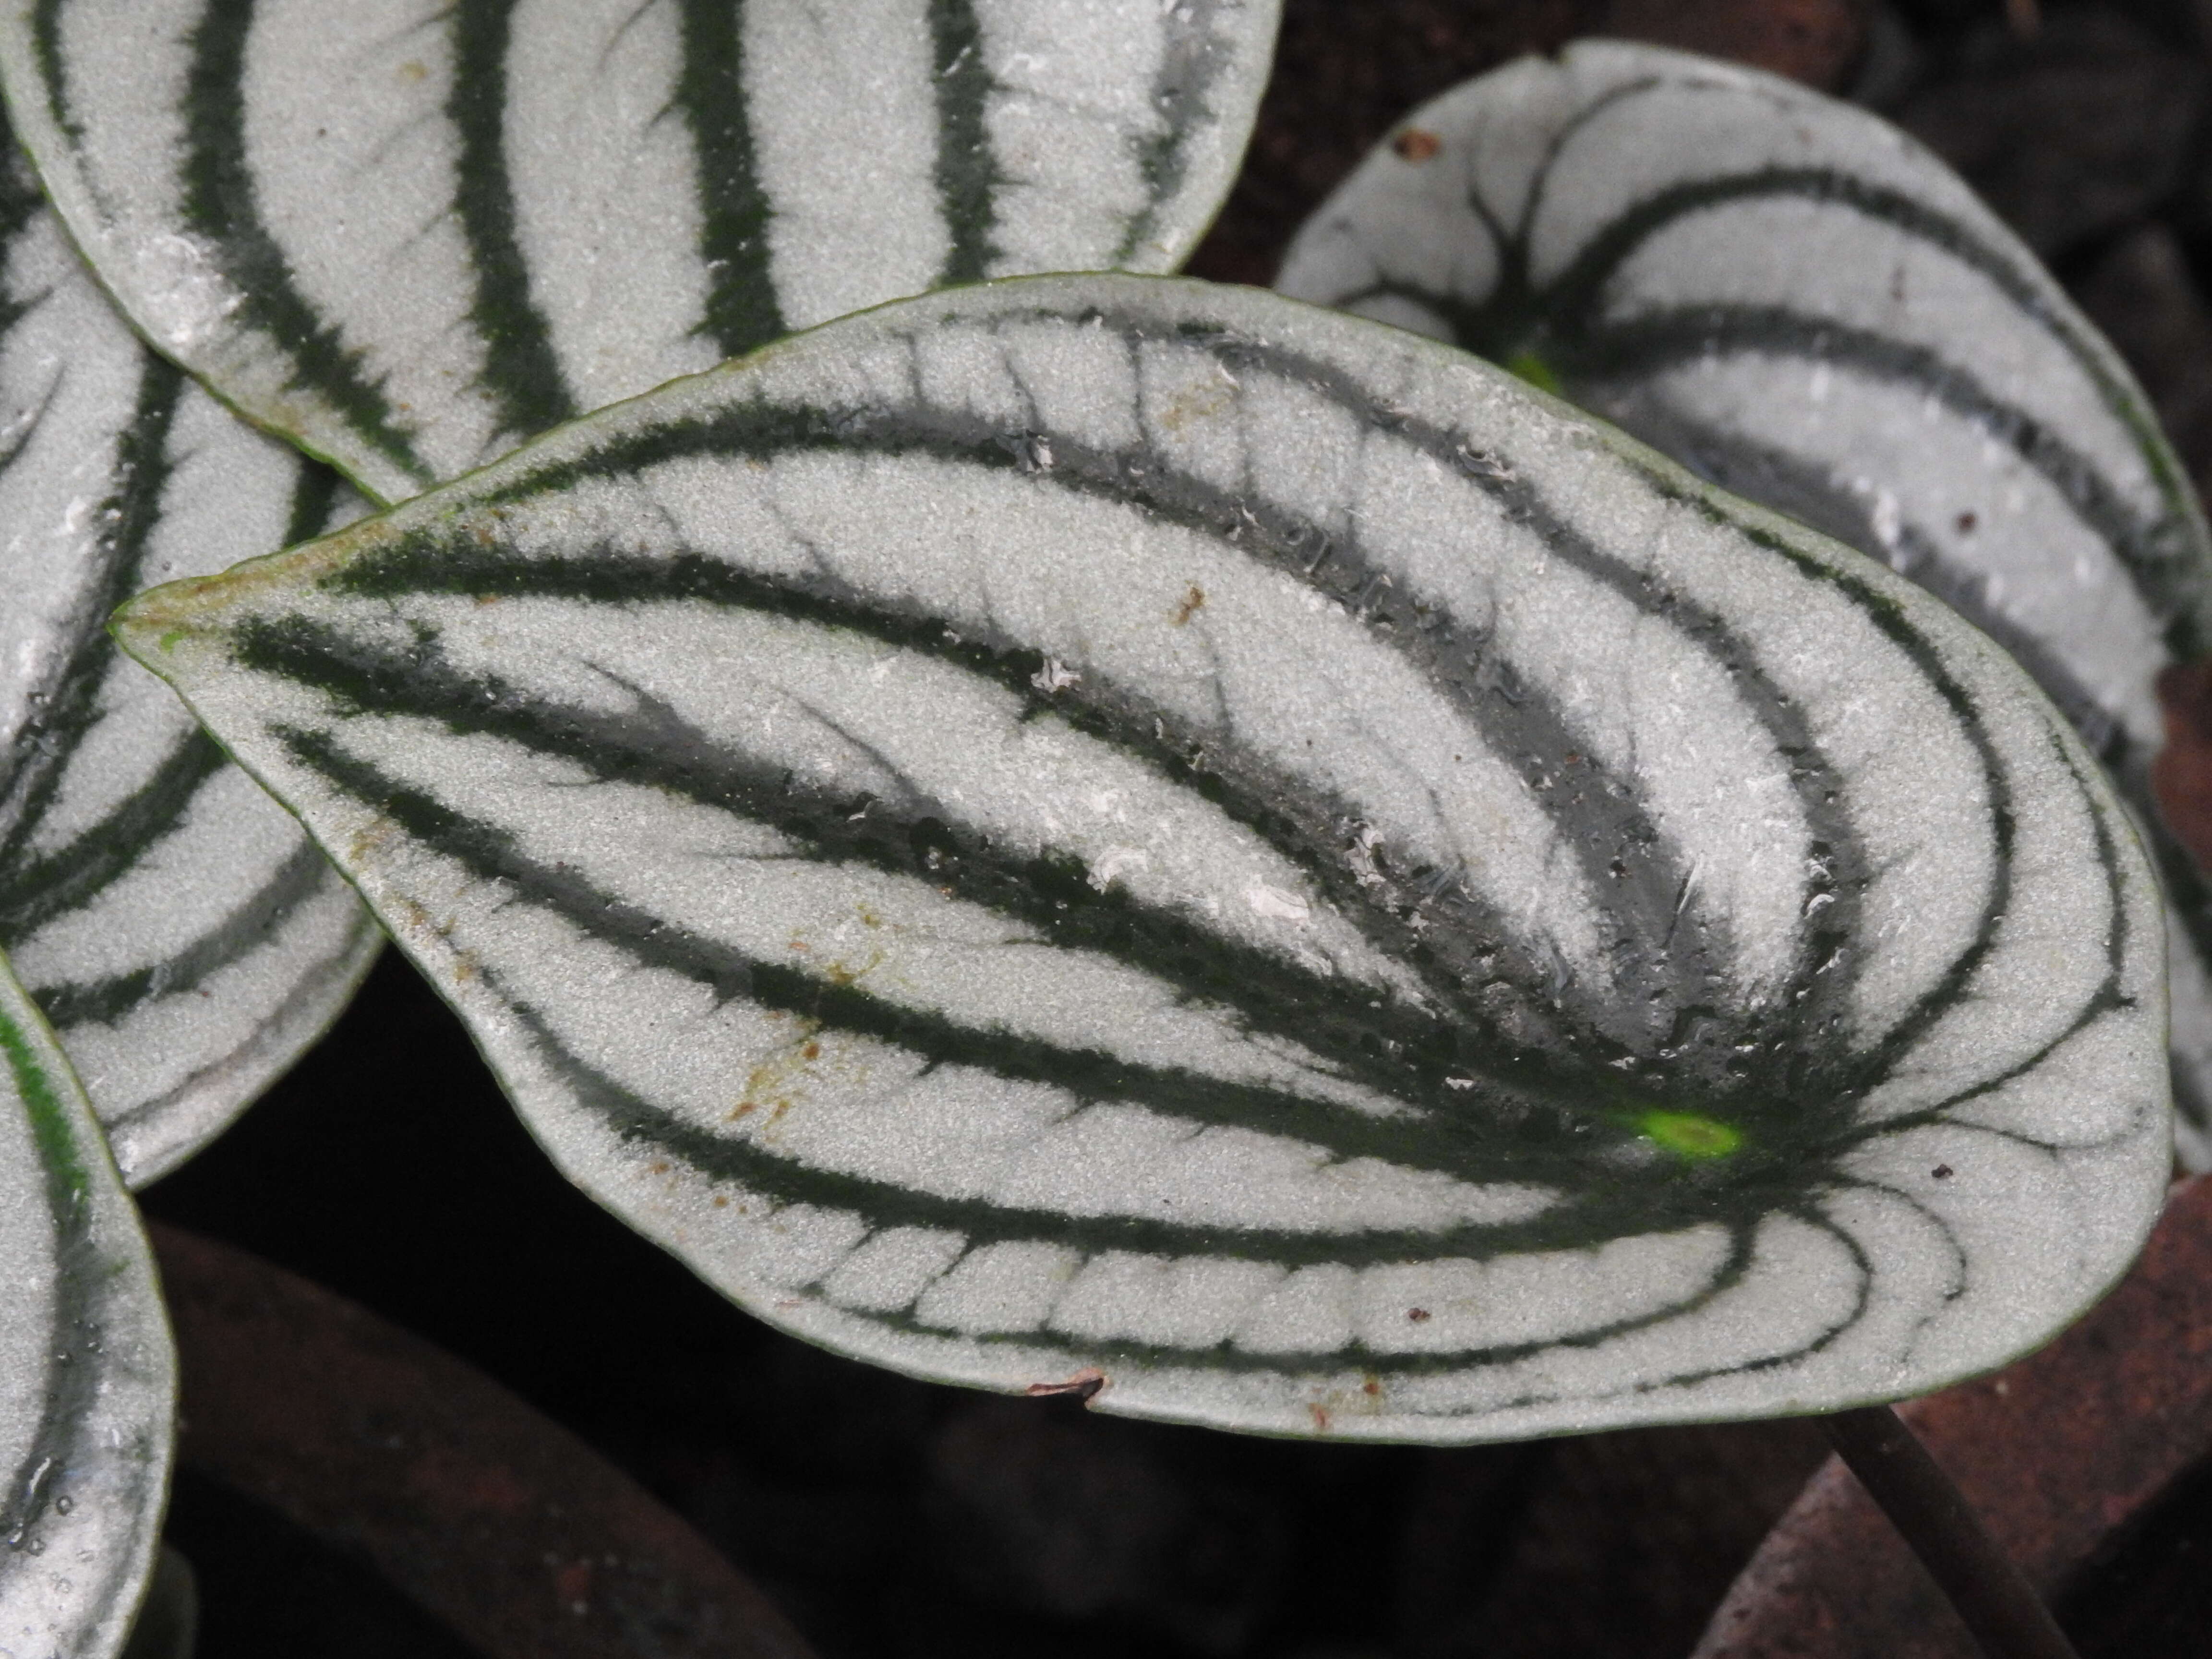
1800,304
87,1375
1081,833
1101,826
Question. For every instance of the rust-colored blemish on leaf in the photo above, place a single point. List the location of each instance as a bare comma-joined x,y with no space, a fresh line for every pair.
1419,1315
1200,400
840,973
1193,602
1415,145
364,842
1083,1386
1320,1415
772,1082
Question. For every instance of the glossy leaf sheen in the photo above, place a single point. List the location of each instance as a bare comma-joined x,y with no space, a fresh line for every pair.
1103,826
411,234
182,934
87,1374
1796,301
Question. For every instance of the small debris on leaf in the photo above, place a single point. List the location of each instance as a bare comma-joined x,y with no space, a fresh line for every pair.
1084,1385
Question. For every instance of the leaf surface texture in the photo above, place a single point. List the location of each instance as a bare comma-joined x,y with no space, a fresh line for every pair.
181,931
412,234
1105,827
1796,301
88,1372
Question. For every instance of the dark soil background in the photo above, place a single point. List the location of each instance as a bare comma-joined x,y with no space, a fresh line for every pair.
896,1520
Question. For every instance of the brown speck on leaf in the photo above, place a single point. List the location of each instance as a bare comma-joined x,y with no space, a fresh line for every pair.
1192,603
1083,1386
660,1166
1941,1172
1372,1387
811,1051
1419,1315
1320,1415
1415,145
721,1201
1966,523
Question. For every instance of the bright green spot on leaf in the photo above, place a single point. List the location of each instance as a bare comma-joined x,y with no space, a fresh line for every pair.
1531,367
169,640
1687,1134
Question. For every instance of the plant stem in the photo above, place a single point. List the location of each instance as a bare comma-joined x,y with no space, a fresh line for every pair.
1999,1606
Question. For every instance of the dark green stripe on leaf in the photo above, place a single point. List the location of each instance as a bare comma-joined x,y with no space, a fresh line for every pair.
742,308
967,170
67,706
521,370
220,203
246,926
83,1283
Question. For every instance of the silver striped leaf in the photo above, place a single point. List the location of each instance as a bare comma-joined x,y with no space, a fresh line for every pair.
88,1372
410,235
1101,827
1797,301
181,932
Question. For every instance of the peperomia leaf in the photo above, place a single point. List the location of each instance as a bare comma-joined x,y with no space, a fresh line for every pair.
1104,827
411,234
1797,301
87,1374
182,934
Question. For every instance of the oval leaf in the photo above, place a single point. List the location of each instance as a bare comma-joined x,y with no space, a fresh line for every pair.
182,934
411,235
87,1374
1797,301
1097,827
